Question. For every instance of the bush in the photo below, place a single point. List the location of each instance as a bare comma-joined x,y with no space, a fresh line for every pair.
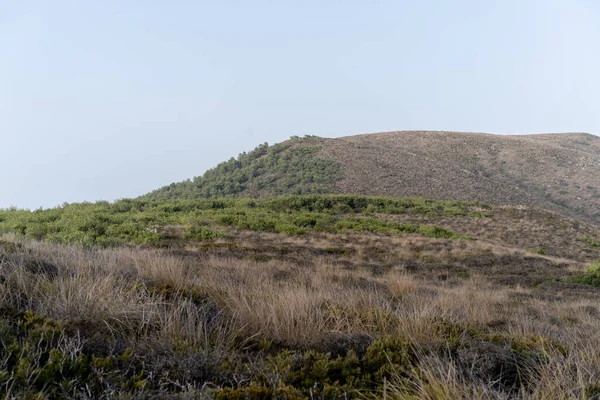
591,276
203,233
41,361
590,241
128,222
431,231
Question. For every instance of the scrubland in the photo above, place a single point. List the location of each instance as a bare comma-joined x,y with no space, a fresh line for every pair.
355,308
559,172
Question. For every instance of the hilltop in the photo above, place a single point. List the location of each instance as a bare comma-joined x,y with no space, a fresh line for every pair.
559,172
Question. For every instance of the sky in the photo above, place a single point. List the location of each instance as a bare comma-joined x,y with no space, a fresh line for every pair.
112,99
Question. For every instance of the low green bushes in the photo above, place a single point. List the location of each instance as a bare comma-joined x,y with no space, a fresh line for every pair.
39,360
312,374
127,222
590,241
591,276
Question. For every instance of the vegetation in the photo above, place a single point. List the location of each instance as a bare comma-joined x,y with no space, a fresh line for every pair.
495,169
591,276
297,297
591,241
138,221
292,167
40,359
297,323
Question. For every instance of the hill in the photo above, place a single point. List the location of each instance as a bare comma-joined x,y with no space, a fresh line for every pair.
558,172
221,288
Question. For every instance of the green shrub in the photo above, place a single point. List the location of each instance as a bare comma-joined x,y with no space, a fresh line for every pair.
432,231
590,241
41,361
387,357
126,222
591,276
537,250
200,232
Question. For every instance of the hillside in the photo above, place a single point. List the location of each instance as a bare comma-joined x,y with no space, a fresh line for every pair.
221,288
550,171
298,297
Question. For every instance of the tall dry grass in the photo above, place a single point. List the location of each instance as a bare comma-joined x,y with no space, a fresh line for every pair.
211,301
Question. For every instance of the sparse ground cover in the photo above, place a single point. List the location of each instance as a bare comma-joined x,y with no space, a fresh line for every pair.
258,313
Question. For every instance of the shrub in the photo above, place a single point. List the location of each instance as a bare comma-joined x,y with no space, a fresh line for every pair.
431,231
125,222
203,233
590,241
591,276
40,360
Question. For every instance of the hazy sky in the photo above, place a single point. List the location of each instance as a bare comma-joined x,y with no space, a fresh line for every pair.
111,99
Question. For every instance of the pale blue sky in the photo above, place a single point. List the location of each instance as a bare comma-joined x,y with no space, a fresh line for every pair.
111,99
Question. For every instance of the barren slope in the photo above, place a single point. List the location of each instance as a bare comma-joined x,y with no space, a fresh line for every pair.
552,171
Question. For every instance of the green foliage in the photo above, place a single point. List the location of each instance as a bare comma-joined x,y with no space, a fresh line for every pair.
292,167
388,357
256,392
529,345
313,374
318,370
131,222
39,360
479,214
539,250
463,274
200,232
591,276
590,241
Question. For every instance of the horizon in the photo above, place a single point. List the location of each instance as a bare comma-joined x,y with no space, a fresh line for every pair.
13,206
484,133
339,137
108,101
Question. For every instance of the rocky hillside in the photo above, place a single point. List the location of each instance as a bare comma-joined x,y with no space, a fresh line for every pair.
551,171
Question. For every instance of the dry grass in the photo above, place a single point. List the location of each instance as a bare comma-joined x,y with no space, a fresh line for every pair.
218,302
